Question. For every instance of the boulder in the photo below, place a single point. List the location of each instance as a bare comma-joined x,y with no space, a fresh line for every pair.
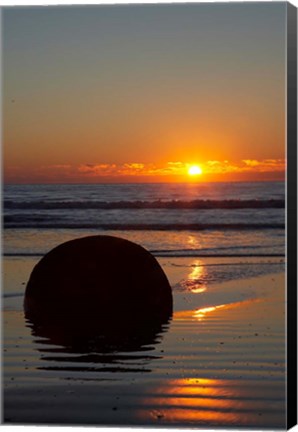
99,282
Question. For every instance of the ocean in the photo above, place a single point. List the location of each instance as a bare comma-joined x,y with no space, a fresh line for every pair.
190,219
220,361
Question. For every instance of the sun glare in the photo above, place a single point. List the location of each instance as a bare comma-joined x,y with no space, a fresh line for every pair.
194,170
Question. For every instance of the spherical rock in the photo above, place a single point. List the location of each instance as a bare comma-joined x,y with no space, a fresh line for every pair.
102,280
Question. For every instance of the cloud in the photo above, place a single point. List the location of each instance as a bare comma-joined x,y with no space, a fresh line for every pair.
131,168
176,164
251,162
213,162
97,169
265,165
245,165
180,168
65,172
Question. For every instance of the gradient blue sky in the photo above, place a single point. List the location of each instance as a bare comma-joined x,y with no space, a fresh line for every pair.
147,84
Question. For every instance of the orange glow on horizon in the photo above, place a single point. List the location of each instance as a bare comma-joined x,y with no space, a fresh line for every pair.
137,171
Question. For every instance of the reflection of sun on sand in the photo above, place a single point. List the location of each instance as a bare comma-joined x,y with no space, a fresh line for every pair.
203,313
202,399
232,352
195,282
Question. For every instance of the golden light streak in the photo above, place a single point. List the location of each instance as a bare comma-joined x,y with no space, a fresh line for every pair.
195,400
200,314
196,277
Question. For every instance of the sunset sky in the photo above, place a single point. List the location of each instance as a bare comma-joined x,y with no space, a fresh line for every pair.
142,93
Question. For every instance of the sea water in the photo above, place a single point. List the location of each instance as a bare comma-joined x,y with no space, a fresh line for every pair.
189,219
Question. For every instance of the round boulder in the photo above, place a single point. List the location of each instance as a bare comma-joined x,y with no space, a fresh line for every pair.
99,280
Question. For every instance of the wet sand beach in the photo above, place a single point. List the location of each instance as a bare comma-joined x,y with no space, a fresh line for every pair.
219,362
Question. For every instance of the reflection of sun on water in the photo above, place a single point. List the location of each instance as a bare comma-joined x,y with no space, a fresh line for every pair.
196,283
196,400
201,313
192,241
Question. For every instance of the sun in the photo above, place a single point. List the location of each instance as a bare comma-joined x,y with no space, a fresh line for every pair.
194,170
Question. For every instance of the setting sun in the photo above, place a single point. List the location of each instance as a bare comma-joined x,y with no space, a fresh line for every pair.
195,170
